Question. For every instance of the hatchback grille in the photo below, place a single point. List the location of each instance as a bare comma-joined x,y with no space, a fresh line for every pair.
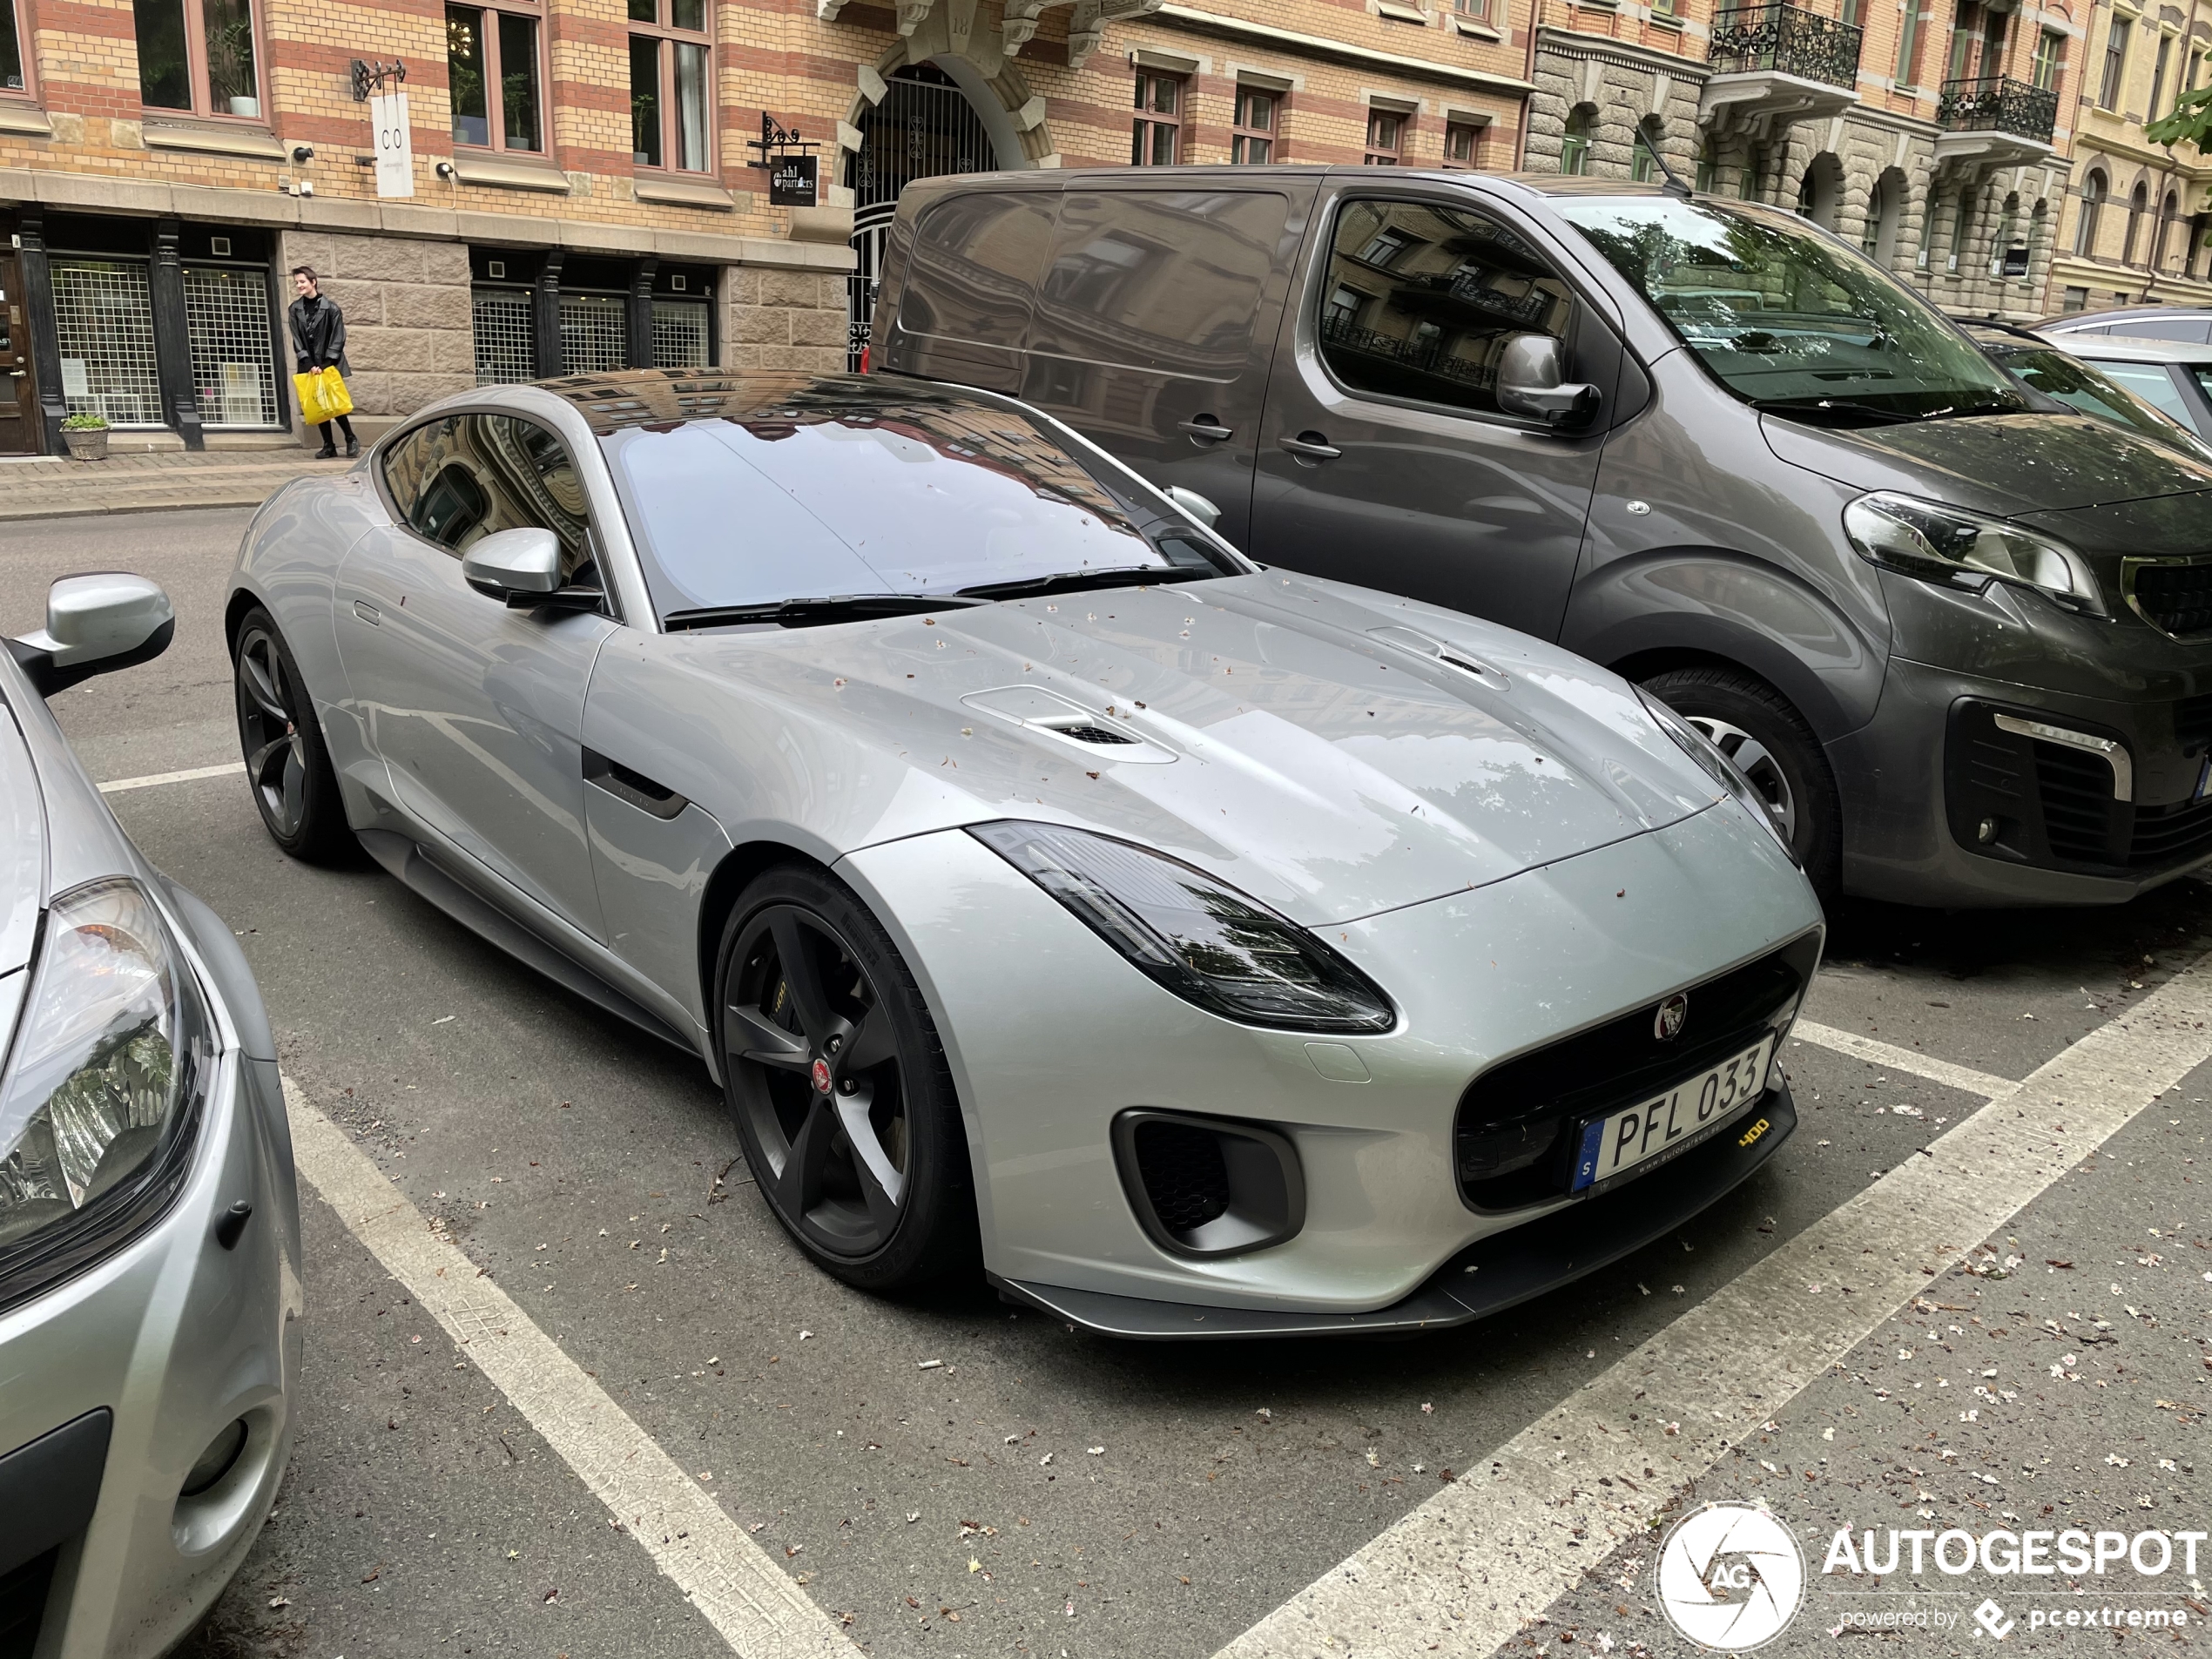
1184,1174
1510,1140
2193,723
2175,597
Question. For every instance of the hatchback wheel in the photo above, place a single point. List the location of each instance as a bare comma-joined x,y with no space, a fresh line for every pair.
286,762
838,1082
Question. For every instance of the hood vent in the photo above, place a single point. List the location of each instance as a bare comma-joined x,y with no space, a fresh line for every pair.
1422,645
1062,719
1084,732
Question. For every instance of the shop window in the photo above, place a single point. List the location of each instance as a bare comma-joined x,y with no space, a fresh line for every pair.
233,361
196,56
671,88
681,339
1156,135
1385,139
493,61
1251,140
506,336
103,330
595,333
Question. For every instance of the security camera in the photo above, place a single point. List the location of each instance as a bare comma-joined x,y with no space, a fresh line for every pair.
444,170
302,153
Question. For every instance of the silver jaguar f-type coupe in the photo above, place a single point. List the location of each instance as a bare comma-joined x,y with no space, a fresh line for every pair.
1219,952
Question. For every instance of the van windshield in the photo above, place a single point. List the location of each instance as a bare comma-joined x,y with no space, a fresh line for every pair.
1789,320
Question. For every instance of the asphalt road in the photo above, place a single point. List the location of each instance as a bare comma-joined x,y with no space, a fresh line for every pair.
576,1164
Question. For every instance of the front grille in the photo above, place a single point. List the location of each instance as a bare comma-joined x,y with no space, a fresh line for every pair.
22,1605
1184,1174
2175,597
2193,723
2170,834
2076,791
1510,1140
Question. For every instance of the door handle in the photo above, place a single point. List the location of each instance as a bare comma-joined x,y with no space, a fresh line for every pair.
1204,426
368,613
1312,446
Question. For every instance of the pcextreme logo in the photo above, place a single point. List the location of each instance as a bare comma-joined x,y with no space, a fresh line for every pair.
1731,1577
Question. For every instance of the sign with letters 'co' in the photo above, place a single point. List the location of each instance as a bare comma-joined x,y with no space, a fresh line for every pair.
395,144
792,181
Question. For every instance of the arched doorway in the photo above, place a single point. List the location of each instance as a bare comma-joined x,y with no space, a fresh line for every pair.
1820,193
923,126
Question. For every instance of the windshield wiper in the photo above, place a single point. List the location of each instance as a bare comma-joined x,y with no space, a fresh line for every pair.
806,613
1127,575
1814,408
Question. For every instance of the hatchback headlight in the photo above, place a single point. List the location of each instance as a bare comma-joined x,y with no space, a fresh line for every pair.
1940,544
100,1097
1716,765
1199,938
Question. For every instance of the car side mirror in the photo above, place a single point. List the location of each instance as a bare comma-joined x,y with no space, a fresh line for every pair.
1529,384
95,624
521,566
1193,503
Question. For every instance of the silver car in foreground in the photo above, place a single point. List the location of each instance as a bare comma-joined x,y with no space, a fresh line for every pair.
1218,952
149,1224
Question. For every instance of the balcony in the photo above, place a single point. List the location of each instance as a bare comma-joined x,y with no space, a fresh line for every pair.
1993,122
1774,65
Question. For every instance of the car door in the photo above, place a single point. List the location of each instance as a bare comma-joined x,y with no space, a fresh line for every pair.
477,708
1384,458
1155,323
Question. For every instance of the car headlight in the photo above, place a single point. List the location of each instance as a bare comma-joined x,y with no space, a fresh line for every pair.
1941,543
100,1097
1197,937
1716,765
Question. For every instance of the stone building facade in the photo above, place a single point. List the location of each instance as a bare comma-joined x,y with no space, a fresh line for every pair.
583,191
1933,133
2138,214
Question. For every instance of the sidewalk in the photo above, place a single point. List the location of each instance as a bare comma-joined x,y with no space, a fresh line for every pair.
58,488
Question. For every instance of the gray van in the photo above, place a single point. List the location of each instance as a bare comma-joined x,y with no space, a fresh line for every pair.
1958,634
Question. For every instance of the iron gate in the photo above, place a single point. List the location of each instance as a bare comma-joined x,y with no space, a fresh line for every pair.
924,127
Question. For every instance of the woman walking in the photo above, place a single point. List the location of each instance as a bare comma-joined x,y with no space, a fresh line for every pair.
319,342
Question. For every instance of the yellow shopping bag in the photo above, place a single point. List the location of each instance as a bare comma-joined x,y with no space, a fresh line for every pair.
322,395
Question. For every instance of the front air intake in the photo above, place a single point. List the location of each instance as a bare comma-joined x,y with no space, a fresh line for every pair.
1206,1186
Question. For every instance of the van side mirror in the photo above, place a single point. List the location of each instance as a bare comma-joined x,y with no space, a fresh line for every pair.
515,565
1529,384
95,624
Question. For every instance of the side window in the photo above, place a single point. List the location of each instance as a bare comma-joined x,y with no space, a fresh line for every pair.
2150,382
459,480
1420,299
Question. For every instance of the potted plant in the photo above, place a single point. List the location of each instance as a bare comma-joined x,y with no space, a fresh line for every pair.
86,435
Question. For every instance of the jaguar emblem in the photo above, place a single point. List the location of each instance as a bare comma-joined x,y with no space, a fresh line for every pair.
1674,1013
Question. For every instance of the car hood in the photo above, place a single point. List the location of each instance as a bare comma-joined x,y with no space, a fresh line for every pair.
2007,466
1333,752
23,852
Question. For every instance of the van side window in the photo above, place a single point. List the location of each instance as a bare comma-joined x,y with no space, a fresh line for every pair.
467,477
1420,299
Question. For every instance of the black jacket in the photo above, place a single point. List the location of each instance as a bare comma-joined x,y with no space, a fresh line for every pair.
318,336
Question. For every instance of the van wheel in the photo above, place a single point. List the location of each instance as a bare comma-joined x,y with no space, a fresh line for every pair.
1754,726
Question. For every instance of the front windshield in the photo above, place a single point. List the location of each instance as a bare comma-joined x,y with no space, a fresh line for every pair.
856,490
2072,381
1788,318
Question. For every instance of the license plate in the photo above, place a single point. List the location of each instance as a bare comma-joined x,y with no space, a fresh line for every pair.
2203,779
1639,1138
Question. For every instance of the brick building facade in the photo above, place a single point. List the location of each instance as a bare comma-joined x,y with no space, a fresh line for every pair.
583,197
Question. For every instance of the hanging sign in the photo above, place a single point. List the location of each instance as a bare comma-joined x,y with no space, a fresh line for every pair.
2015,261
395,144
792,181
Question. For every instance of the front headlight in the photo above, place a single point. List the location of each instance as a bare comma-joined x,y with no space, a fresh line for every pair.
1940,544
1200,938
1717,767
100,1096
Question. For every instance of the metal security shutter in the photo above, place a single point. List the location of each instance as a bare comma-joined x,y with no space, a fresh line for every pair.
233,362
679,333
595,333
506,350
104,321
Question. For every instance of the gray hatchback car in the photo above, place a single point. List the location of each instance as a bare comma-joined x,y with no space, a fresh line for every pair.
1958,634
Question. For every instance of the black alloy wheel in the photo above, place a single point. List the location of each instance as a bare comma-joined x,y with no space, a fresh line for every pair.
839,1085
287,764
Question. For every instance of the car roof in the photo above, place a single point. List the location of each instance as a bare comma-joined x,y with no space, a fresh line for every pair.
633,397
2074,320
2129,349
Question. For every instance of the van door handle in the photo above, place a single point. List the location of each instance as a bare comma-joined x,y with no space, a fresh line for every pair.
1312,446
1205,425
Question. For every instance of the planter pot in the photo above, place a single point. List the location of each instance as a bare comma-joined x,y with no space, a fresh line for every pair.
86,446
250,107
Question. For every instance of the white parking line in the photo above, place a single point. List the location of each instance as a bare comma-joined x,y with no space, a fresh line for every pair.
1462,1571
734,1583
1963,1078
153,780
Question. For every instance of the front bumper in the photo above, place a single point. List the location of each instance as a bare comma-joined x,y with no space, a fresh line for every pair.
169,1341
1050,1036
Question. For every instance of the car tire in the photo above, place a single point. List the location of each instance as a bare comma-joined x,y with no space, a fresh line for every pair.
288,764
833,1072
1755,725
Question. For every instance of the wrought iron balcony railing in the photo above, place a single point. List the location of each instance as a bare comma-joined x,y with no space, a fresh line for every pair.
1998,104
1789,39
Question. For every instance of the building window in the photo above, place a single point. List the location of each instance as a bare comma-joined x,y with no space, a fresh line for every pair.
11,52
672,94
2050,59
1462,146
492,64
103,329
1473,11
595,333
1251,141
1386,137
506,336
1156,137
2138,204
1747,182
680,333
2115,81
195,56
1962,225
2159,66
2167,212
1644,161
233,361
1908,43
1575,144
2093,202
1854,12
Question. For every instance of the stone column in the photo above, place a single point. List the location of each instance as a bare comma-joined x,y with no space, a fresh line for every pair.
172,337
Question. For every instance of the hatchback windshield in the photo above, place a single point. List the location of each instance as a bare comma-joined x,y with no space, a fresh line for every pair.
1790,319
840,487
2051,371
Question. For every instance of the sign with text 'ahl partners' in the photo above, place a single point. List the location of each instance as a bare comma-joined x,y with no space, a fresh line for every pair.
792,181
395,144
